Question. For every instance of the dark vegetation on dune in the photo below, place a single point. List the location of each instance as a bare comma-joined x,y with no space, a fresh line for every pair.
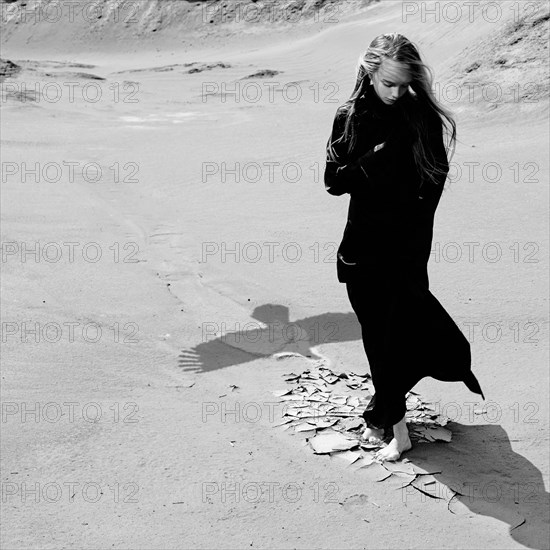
8,68
515,56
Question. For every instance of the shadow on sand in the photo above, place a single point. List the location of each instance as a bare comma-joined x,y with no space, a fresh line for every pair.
480,464
275,334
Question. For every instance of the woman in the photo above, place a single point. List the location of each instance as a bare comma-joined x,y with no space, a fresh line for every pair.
386,150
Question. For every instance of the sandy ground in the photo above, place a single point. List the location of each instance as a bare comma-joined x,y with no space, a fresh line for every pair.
134,275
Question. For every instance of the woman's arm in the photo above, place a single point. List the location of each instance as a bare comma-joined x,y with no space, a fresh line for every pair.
343,175
431,194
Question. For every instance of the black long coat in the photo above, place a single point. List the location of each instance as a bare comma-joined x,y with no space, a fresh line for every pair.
391,212
384,252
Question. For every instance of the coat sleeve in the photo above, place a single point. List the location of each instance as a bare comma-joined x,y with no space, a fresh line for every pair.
342,174
431,195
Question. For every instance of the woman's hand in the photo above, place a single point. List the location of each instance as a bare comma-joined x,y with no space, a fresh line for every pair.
368,156
390,152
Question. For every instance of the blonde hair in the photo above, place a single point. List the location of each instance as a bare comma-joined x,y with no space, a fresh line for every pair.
425,109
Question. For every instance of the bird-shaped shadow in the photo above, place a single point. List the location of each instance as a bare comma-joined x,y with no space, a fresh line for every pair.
273,333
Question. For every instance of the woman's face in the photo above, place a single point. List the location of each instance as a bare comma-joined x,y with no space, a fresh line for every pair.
391,80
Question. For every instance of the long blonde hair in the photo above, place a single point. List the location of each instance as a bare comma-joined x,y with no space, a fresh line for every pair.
398,48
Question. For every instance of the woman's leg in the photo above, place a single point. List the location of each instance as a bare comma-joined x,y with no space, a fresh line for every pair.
407,335
371,340
375,301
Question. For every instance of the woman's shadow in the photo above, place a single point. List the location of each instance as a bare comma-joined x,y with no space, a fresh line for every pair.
489,479
271,333
479,465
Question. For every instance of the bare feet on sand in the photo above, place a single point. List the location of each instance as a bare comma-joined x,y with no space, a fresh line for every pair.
373,435
399,444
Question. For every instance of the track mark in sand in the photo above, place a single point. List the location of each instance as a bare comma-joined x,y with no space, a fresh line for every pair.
358,503
154,235
81,76
161,69
150,121
49,69
193,67
32,63
354,500
23,96
262,73
208,67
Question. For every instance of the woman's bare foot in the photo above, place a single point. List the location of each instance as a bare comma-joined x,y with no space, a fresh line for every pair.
399,444
373,435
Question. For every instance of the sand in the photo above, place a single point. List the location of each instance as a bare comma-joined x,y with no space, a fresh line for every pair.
148,245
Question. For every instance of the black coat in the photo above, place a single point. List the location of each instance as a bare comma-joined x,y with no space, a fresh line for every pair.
391,212
383,256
